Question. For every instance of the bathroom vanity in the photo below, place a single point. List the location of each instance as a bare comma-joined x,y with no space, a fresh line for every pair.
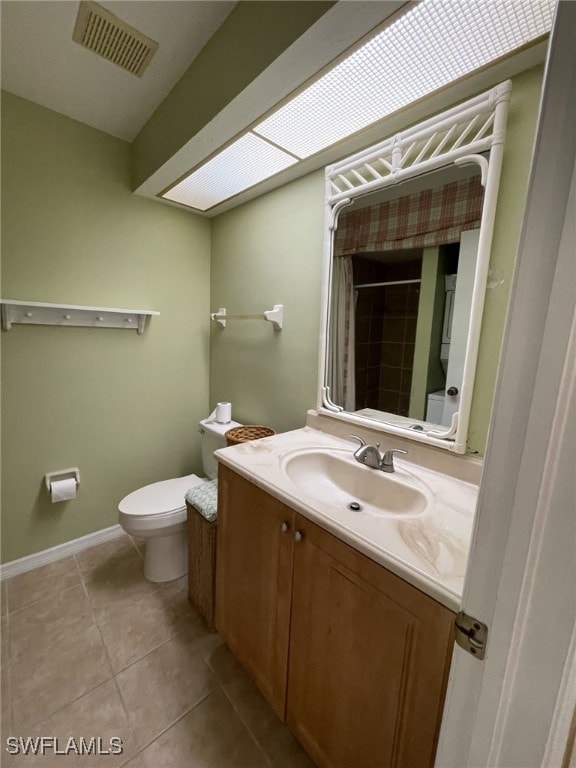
344,618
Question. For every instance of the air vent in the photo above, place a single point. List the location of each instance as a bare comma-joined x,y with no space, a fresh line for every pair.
105,34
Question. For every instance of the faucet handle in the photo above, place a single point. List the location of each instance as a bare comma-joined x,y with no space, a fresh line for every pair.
360,439
390,454
387,464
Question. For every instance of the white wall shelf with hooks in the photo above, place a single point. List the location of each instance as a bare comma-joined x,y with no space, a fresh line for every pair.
41,313
273,316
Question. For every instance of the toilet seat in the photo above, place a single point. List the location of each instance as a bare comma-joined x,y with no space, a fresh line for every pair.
158,505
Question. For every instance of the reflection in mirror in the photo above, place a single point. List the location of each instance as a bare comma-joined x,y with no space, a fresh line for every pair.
405,264
409,227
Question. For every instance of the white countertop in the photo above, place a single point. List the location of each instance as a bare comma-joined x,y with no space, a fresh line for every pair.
428,550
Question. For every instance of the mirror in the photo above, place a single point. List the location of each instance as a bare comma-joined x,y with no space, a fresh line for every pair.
408,233
404,355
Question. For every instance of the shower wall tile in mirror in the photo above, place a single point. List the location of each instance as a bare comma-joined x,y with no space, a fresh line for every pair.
385,330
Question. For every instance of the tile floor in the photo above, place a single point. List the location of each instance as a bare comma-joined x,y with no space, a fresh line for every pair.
92,649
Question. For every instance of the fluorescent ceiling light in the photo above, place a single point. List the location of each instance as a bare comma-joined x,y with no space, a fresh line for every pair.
430,46
244,163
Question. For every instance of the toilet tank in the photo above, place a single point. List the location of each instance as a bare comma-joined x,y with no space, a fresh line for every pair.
213,438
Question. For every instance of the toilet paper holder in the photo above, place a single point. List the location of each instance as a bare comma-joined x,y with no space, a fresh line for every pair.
62,474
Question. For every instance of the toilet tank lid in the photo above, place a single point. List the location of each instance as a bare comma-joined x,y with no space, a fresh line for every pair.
165,496
211,425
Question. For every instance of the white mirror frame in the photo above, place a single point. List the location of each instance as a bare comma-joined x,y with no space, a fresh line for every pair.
462,135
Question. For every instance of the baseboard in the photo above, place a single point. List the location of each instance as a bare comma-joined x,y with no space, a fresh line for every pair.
29,562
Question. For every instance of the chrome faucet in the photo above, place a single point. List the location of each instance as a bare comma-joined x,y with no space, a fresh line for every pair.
370,455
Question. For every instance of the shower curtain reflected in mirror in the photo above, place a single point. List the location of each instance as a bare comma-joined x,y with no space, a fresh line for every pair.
341,361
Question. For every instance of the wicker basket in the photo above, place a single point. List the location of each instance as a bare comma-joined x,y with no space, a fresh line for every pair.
238,435
201,564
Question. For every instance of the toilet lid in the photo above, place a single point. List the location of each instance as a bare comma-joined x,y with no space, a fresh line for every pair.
154,499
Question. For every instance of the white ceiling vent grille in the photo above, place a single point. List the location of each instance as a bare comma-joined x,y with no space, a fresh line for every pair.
105,34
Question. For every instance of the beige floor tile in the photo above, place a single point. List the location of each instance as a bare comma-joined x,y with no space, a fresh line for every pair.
162,686
281,748
176,592
97,715
139,543
132,629
114,573
32,630
58,676
218,656
100,555
4,643
29,587
5,707
210,736
71,624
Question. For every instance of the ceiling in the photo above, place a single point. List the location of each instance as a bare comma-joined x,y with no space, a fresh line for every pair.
41,62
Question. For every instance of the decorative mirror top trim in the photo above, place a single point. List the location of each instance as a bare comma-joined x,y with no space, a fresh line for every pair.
468,129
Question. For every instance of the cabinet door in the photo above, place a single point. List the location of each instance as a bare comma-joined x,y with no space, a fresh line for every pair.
254,581
368,659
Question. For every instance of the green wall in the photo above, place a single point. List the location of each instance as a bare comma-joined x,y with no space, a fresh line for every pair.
427,374
121,407
522,119
269,251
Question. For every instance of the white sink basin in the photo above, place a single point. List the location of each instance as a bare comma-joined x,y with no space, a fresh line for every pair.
334,477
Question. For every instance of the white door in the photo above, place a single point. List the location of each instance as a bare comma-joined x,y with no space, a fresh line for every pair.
514,709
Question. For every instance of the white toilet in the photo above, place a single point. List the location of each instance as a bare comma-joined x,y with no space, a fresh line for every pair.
157,512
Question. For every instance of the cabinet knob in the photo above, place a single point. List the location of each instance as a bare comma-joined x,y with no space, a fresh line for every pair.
297,536
284,527
452,391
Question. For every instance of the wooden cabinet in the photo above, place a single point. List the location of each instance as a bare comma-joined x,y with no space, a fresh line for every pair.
369,655
351,656
254,581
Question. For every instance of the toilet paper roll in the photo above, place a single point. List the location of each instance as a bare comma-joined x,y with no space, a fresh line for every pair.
223,413
63,490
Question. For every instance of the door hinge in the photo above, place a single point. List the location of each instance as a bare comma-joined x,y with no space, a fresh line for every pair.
471,634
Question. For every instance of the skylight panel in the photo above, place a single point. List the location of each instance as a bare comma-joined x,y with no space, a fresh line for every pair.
246,162
430,46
